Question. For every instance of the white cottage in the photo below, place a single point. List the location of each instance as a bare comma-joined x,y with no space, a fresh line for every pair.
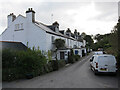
35,34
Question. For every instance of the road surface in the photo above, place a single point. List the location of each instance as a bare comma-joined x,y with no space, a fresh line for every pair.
77,75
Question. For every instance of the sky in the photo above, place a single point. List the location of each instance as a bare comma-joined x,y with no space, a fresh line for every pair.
89,16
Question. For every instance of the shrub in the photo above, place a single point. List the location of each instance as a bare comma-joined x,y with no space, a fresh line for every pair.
49,55
71,57
61,63
18,64
77,57
55,65
26,64
48,67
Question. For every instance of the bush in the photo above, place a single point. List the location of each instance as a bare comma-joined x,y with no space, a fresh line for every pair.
26,64
18,64
48,67
77,57
55,65
61,63
71,57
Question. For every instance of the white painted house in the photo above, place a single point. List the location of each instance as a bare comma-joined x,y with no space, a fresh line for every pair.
35,34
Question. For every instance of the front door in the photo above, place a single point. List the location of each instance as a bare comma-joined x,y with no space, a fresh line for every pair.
83,53
62,55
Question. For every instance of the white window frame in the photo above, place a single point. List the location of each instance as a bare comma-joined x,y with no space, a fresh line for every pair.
52,39
18,27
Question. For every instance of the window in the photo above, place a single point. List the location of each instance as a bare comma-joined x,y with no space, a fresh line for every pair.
52,39
76,52
19,26
16,26
91,59
68,42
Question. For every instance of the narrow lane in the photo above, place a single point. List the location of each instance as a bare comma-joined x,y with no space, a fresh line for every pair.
77,75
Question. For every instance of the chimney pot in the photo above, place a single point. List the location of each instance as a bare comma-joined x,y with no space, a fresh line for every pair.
11,18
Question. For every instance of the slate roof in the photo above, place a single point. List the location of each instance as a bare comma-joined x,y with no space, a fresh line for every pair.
12,45
48,29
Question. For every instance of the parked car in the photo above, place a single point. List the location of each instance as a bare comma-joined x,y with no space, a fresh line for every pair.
98,52
103,64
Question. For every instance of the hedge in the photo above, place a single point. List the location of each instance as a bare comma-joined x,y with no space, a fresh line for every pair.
26,64
72,57
18,64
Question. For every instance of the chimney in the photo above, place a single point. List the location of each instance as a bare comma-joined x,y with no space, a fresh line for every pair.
56,26
68,32
30,14
11,18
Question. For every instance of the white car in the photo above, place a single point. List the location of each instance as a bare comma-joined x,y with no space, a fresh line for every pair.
103,64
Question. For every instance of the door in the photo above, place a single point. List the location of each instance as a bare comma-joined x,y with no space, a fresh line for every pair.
83,53
111,64
103,63
62,55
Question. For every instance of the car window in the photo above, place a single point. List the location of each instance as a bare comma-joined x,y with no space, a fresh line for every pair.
92,58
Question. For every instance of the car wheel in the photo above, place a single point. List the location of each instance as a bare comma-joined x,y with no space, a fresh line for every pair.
91,67
95,72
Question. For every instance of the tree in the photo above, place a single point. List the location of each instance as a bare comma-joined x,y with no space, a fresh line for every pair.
102,41
59,43
98,37
89,40
83,34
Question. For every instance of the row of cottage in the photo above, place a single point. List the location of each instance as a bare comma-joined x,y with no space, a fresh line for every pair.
32,33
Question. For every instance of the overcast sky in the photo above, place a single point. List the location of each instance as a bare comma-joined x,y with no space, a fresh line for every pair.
89,16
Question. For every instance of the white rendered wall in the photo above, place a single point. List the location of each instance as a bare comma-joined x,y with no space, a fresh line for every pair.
11,35
118,9
36,37
30,33
33,35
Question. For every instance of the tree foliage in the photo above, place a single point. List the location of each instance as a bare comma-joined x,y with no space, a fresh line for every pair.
89,40
103,41
59,43
98,37
83,34
17,64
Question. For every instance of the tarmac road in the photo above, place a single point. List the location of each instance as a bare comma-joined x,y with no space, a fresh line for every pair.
77,75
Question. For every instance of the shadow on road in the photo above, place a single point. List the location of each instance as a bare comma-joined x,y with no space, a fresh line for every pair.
107,75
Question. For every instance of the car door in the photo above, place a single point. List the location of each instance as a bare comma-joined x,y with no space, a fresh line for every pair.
103,63
111,64
91,61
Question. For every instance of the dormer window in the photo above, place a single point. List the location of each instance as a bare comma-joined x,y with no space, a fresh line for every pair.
55,26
